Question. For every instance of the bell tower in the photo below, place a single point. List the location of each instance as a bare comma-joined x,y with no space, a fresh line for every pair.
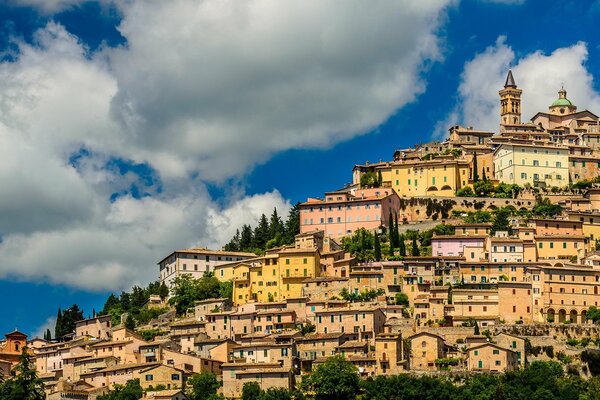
510,102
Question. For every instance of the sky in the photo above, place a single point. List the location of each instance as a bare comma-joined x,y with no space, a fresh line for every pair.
129,129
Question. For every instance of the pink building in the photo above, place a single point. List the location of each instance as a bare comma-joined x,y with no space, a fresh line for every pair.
343,212
454,245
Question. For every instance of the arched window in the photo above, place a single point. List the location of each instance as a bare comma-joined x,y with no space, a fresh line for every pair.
17,346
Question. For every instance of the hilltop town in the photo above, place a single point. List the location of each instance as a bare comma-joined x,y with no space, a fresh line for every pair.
476,254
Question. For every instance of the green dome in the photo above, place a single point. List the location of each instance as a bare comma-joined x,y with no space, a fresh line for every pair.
562,102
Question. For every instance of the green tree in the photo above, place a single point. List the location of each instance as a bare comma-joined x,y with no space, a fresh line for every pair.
379,179
203,386
132,390
476,329
292,225
593,314
261,233
475,173
396,232
48,335
23,384
415,248
402,246
402,299
58,329
234,243
501,222
130,322
377,247
335,379
251,391
246,238
276,393
276,228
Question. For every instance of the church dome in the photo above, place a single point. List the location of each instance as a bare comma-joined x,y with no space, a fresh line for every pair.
562,102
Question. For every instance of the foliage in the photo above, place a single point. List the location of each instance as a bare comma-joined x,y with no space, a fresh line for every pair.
203,386
23,383
134,303
187,290
361,245
251,391
132,390
401,299
366,295
369,179
465,192
377,248
150,334
546,209
592,358
593,314
269,232
478,217
501,222
65,321
335,379
307,328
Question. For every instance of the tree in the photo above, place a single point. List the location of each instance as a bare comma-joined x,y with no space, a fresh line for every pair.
377,247
475,173
276,228
396,233
261,233
476,329
501,222
379,179
251,391
48,335
132,390
23,384
593,314
335,379
402,246
246,238
483,177
58,329
203,385
391,238
130,322
415,248
292,225
111,302
276,393
402,299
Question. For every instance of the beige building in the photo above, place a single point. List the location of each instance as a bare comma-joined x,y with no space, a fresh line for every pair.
490,357
425,349
267,375
95,328
196,262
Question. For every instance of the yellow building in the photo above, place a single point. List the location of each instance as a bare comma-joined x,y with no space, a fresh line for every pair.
441,176
276,276
539,164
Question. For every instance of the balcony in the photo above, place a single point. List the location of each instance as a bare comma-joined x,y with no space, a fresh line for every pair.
296,275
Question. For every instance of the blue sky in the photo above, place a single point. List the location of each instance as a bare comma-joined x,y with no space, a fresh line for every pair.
117,181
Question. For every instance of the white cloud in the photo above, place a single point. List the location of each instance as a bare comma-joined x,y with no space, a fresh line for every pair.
202,91
48,6
39,332
540,76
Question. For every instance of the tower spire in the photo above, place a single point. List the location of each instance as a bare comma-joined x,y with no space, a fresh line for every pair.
510,81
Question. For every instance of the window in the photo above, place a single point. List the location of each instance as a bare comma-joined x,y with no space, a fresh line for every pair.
175,377
149,377
496,352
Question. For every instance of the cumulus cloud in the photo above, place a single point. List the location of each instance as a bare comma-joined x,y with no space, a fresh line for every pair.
538,74
39,332
201,91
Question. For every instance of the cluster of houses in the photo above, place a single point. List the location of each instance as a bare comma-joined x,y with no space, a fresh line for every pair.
295,306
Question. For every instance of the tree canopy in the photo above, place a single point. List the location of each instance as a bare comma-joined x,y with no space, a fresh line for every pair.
335,379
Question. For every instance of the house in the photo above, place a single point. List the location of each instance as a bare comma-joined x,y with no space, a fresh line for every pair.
425,349
492,358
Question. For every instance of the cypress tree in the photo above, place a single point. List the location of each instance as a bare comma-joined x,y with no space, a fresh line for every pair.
475,173
58,327
48,335
379,179
261,233
396,233
415,249
377,247
402,246
391,229
483,177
